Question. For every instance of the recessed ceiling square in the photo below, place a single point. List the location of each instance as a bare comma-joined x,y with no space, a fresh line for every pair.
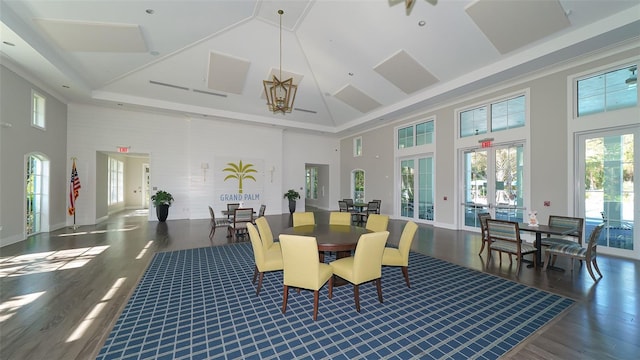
510,25
357,99
405,72
94,37
227,73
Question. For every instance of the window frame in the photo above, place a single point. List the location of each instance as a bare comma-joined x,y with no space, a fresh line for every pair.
38,110
116,175
357,146
414,126
489,115
600,71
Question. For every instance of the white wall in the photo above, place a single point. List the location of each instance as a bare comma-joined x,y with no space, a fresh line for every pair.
178,146
18,139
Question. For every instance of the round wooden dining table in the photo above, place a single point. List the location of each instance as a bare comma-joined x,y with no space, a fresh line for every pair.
339,238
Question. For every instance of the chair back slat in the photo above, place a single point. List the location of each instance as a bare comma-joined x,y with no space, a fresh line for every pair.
568,223
503,230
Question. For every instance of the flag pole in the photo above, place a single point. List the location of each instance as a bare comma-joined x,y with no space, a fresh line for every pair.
73,159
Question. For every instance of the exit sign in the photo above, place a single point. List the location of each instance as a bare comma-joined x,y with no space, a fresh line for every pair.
123,149
486,144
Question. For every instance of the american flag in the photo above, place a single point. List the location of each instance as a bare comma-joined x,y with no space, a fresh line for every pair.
74,187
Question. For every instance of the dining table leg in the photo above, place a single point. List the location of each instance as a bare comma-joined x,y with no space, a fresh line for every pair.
539,263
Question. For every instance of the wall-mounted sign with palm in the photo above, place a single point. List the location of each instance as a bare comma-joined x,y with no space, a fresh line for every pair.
240,172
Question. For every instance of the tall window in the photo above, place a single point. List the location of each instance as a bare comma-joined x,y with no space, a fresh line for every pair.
37,110
312,183
357,185
418,134
608,91
500,115
357,146
34,192
116,181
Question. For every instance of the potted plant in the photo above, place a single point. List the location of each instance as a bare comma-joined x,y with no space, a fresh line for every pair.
292,195
162,200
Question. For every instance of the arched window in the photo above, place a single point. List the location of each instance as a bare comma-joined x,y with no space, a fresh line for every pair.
357,185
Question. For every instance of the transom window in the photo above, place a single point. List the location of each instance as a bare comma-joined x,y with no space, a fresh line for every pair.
497,116
37,110
418,134
607,91
357,146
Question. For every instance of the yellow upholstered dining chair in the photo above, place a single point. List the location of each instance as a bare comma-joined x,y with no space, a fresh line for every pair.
400,256
575,251
303,218
365,265
266,260
303,269
266,234
339,218
504,236
377,222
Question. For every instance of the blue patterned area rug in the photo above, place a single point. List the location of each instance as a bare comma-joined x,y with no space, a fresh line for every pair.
201,304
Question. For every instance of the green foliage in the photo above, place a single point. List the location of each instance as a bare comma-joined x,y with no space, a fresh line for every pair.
161,197
292,195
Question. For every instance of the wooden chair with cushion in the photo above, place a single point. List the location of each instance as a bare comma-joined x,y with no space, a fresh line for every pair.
303,269
400,256
266,234
231,208
504,236
266,260
376,222
379,205
303,218
569,223
238,225
575,251
342,206
365,265
216,223
350,206
339,218
372,209
482,219
263,209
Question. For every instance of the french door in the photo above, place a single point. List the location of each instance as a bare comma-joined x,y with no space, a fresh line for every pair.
416,188
606,188
493,182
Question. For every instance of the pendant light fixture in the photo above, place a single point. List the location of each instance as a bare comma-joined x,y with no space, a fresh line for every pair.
280,94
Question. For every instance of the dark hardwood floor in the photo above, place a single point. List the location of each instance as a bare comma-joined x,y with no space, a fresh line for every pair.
61,292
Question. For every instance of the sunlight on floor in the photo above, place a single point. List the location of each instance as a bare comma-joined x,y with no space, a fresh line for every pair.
97,309
11,306
139,212
144,251
122,229
48,261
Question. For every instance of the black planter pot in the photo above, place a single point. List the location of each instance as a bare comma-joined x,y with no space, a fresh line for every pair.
162,211
292,206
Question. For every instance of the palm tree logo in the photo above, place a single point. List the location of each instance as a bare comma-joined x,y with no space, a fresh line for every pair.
240,172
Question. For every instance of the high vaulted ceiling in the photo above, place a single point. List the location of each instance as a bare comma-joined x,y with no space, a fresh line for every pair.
356,62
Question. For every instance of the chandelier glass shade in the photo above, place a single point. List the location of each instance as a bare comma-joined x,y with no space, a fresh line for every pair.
280,93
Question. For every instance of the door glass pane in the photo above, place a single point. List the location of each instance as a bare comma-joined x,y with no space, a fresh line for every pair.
425,188
33,191
406,191
508,183
475,185
609,189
